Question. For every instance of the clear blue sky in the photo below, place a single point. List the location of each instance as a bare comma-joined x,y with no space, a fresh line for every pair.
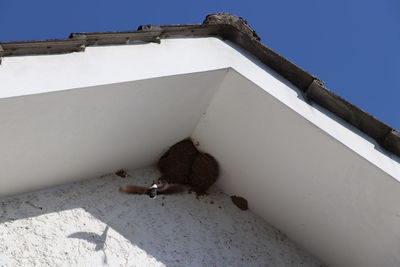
353,45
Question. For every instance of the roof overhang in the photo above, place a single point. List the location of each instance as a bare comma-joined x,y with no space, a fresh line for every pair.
236,30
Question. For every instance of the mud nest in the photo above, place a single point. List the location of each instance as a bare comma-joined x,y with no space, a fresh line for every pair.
184,164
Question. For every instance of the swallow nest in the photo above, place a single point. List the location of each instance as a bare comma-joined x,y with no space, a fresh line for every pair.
184,164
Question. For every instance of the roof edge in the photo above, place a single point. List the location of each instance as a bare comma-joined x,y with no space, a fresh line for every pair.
386,136
237,30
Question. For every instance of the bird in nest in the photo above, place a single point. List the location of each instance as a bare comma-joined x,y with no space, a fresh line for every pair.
153,190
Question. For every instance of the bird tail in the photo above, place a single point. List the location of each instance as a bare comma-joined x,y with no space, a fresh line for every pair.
133,189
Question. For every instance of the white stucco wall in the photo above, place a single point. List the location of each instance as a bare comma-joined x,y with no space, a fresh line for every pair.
307,172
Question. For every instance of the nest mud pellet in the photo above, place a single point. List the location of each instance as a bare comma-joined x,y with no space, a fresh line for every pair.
240,202
184,164
122,173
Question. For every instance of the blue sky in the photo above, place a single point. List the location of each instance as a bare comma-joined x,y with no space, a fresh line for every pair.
354,46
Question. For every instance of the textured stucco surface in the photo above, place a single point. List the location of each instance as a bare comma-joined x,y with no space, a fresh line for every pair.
90,223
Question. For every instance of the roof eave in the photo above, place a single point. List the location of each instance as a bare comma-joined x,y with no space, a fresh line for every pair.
386,136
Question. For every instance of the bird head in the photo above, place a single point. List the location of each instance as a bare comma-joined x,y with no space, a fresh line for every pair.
152,191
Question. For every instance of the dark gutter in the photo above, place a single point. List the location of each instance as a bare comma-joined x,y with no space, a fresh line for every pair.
41,47
236,30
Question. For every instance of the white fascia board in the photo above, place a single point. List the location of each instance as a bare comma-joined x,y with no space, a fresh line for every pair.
345,133
287,93
101,65
24,75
